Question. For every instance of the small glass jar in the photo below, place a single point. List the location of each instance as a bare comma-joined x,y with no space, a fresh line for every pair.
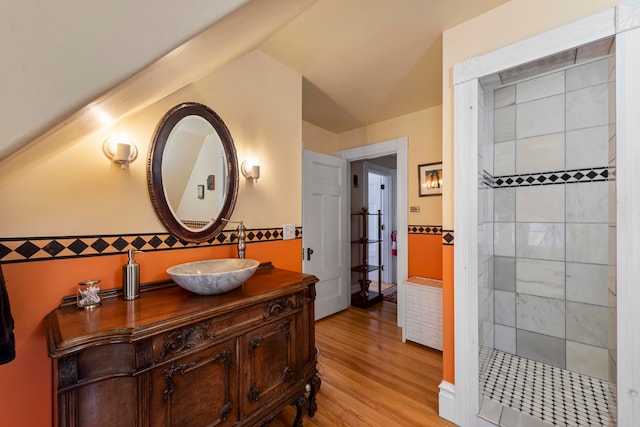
89,294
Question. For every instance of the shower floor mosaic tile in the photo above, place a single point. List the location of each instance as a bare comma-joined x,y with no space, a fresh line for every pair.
556,396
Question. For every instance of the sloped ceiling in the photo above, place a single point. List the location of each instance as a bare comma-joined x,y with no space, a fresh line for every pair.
362,61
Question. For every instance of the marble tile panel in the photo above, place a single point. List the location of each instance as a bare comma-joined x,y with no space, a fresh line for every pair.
504,270
505,337
540,203
587,283
541,348
513,418
587,243
541,278
587,148
588,360
504,204
504,96
540,87
541,315
504,124
540,153
588,107
540,117
505,308
504,158
587,202
540,240
490,410
587,324
589,74
504,239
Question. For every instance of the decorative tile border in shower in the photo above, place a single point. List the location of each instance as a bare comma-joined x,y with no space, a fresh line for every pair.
46,248
425,229
546,178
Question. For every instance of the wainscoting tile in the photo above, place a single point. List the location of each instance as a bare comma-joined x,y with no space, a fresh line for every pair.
587,243
540,153
540,203
504,270
588,107
588,360
542,315
504,158
540,117
504,126
590,74
540,278
504,204
588,202
540,87
504,239
587,283
587,324
504,96
505,308
505,338
540,240
587,148
541,348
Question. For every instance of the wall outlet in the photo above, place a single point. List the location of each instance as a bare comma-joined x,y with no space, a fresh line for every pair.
288,231
414,209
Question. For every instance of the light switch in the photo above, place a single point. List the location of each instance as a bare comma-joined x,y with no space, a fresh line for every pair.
288,231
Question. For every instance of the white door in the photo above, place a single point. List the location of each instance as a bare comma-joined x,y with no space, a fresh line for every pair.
324,230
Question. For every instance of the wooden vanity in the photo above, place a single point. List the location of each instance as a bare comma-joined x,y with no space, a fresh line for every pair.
173,358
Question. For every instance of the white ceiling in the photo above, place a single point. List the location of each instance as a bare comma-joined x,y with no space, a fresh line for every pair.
362,61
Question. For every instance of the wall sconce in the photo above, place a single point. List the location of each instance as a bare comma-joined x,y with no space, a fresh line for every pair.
250,169
120,149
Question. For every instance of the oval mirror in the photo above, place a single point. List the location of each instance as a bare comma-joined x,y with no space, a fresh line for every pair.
192,172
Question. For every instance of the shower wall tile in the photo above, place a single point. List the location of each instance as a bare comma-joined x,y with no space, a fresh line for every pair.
541,348
540,203
505,308
590,74
587,243
588,360
540,87
587,107
543,315
587,202
541,278
540,240
587,148
504,124
587,324
504,205
504,239
504,158
504,96
587,283
505,339
504,270
540,153
540,117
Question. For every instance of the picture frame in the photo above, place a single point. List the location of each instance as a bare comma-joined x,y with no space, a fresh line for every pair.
430,179
200,191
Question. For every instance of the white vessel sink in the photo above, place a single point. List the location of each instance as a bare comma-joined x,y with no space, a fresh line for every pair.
213,276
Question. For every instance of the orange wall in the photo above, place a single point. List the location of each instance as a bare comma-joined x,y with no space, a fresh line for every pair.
425,255
36,288
448,360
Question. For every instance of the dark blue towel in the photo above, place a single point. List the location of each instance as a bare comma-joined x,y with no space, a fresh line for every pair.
7,340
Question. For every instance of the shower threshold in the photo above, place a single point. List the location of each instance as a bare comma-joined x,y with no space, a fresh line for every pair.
521,392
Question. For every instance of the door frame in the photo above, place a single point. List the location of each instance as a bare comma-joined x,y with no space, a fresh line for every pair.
399,147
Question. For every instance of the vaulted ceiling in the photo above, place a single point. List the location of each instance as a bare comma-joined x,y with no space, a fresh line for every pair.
362,61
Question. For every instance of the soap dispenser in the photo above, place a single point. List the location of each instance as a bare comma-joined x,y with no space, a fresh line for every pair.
131,278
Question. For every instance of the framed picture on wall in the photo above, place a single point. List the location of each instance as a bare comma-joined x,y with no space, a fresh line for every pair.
430,179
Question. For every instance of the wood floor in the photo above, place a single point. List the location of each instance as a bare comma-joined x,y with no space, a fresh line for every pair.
399,389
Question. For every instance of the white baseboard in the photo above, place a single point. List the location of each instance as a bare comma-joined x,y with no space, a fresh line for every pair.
447,402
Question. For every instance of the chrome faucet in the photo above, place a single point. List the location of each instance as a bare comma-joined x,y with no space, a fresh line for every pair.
241,236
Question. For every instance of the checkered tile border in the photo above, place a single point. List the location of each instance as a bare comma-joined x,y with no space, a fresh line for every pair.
447,237
546,178
425,229
45,248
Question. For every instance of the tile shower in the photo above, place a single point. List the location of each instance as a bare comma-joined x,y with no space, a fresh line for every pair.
544,229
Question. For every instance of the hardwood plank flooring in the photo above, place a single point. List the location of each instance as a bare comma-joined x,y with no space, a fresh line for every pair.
399,388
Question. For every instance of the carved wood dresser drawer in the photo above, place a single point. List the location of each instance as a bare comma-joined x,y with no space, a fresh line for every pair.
172,358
